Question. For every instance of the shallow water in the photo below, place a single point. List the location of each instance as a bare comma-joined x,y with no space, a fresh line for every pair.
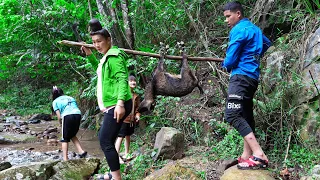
88,139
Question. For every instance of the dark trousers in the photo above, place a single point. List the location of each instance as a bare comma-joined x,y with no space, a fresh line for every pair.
239,107
70,126
108,134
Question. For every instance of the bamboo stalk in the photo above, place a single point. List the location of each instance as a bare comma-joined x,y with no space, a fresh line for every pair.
141,53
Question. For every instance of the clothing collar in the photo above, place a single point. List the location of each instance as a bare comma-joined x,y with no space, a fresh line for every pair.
243,19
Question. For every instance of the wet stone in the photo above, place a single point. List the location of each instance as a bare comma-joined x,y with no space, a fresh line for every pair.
34,121
4,165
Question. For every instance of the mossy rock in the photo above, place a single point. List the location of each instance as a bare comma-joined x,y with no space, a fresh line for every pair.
171,172
233,173
75,169
17,138
36,170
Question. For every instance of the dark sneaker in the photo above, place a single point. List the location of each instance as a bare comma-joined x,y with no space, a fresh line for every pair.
83,155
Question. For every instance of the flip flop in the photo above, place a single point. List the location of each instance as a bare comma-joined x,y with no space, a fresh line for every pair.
126,158
263,164
101,176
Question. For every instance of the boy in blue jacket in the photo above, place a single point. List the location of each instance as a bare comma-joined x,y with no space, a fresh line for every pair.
246,46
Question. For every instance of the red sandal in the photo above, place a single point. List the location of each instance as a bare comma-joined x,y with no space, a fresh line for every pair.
263,164
241,160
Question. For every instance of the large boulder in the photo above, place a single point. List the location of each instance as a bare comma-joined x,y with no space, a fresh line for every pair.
72,169
313,48
37,170
273,70
6,138
311,68
233,173
169,143
45,117
310,82
173,171
75,169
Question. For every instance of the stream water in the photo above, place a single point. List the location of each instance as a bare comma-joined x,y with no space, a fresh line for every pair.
20,151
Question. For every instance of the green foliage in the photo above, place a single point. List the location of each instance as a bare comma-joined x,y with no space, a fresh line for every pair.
30,30
26,100
304,156
142,165
311,5
229,147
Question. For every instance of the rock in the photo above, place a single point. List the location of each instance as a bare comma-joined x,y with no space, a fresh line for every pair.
52,136
173,171
75,169
4,140
21,123
5,165
16,138
52,142
309,90
313,48
215,169
34,121
24,127
38,170
12,119
311,64
316,170
170,144
45,117
50,130
309,129
274,66
33,133
309,178
233,173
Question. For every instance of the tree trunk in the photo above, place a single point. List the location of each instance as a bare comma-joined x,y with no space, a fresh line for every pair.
127,24
115,31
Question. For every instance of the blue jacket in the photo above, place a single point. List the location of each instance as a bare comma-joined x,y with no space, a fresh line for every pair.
246,46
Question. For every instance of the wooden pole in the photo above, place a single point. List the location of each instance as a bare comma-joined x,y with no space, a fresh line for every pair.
141,53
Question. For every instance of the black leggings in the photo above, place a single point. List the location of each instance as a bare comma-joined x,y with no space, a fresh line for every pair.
108,134
239,107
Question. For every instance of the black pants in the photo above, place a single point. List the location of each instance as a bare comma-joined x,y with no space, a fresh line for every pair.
239,107
108,134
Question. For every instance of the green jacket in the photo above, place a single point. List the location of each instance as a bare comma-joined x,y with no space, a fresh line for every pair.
114,76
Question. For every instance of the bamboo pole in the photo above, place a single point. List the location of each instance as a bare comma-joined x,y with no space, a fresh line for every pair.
141,53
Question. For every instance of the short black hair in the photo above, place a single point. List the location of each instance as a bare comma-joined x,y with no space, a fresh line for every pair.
233,7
